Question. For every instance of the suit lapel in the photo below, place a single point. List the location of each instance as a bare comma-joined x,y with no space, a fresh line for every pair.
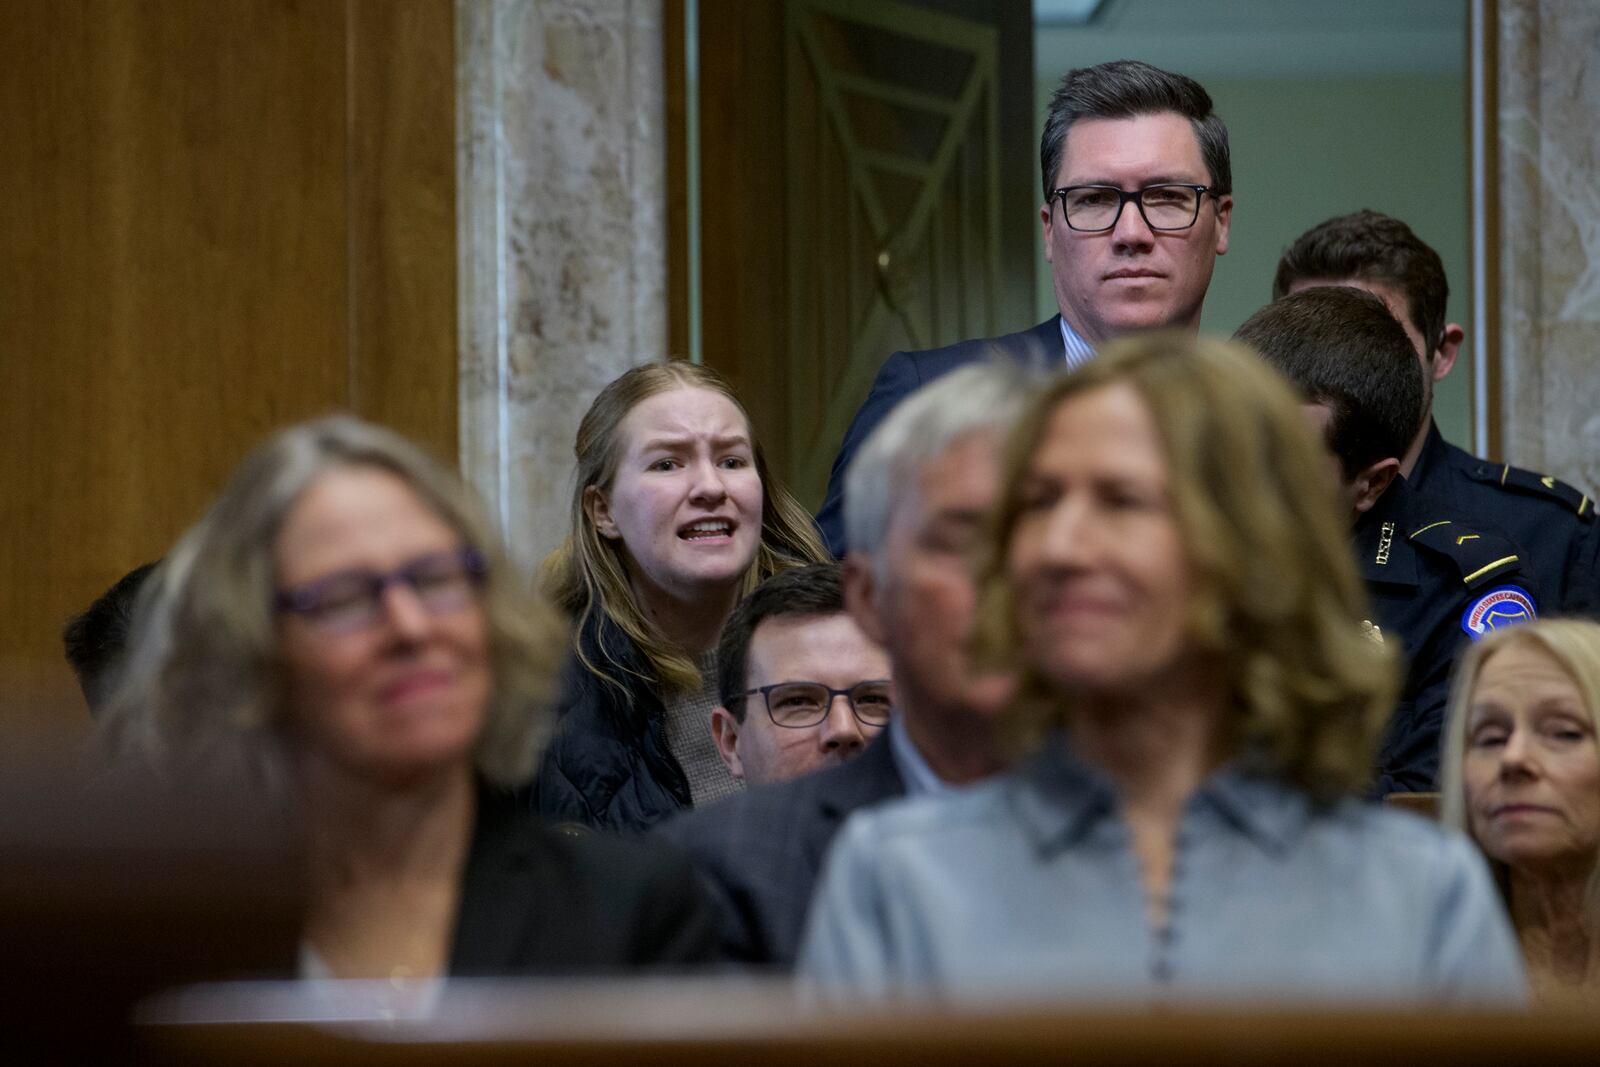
1043,347
868,779
496,914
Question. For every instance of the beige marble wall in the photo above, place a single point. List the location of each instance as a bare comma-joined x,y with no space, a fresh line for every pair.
561,214
1549,172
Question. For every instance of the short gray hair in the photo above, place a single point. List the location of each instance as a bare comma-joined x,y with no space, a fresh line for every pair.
984,396
203,687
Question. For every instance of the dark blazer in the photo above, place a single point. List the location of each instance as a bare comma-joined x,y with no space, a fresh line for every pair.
1552,521
903,373
536,900
759,853
609,765
1426,572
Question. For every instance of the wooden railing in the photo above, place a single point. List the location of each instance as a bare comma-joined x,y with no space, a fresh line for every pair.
739,1025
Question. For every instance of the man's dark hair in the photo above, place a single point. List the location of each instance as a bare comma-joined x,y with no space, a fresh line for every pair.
1372,247
1125,89
1341,347
97,640
811,590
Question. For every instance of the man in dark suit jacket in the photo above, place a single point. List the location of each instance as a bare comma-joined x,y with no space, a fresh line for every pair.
919,494
536,900
1138,135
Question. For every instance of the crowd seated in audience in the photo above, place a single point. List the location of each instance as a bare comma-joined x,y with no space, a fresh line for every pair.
800,686
675,516
341,629
1169,572
1087,714
1522,777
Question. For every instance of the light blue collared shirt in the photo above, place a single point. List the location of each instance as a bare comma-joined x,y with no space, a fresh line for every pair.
1078,350
1027,886
915,774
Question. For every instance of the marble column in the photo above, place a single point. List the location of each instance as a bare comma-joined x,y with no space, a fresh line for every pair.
1549,240
561,215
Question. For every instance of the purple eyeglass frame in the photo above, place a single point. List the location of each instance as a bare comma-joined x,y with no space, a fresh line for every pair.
302,599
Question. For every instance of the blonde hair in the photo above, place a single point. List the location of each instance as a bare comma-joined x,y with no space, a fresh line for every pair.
204,684
587,575
1572,643
1277,601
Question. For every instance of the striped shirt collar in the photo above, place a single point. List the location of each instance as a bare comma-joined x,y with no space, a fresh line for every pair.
1078,351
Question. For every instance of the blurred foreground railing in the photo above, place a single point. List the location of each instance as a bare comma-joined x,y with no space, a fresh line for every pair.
742,1023
122,901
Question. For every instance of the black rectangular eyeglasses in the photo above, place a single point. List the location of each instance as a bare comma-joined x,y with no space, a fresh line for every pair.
1096,208
797,705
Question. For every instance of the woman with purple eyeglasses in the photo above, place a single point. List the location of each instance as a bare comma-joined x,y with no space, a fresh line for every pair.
342,629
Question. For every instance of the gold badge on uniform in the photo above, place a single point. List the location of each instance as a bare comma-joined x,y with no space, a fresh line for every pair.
1384,542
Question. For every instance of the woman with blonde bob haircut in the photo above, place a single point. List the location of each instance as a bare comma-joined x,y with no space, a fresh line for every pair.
1521,776
342,630
675,518
1277,606
1168,575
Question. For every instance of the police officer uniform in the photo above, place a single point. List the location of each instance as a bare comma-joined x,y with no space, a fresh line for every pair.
1553,522
1434,583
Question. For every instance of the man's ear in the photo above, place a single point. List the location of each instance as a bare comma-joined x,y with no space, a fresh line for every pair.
725,735
1371,481
598,508
1224,220
861,595
1444,357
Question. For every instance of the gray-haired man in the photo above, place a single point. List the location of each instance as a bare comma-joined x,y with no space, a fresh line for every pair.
919,490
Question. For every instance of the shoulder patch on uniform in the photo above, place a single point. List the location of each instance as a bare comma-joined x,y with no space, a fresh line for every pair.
1543,485
1481,557
1502,606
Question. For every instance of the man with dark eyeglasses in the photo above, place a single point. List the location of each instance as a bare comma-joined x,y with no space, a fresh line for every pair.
802,688
1137,200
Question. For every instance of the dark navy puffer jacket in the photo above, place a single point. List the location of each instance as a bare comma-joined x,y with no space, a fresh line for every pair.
609,766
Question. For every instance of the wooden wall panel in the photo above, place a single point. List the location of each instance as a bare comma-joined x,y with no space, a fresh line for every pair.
744,312
403,217
212,228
